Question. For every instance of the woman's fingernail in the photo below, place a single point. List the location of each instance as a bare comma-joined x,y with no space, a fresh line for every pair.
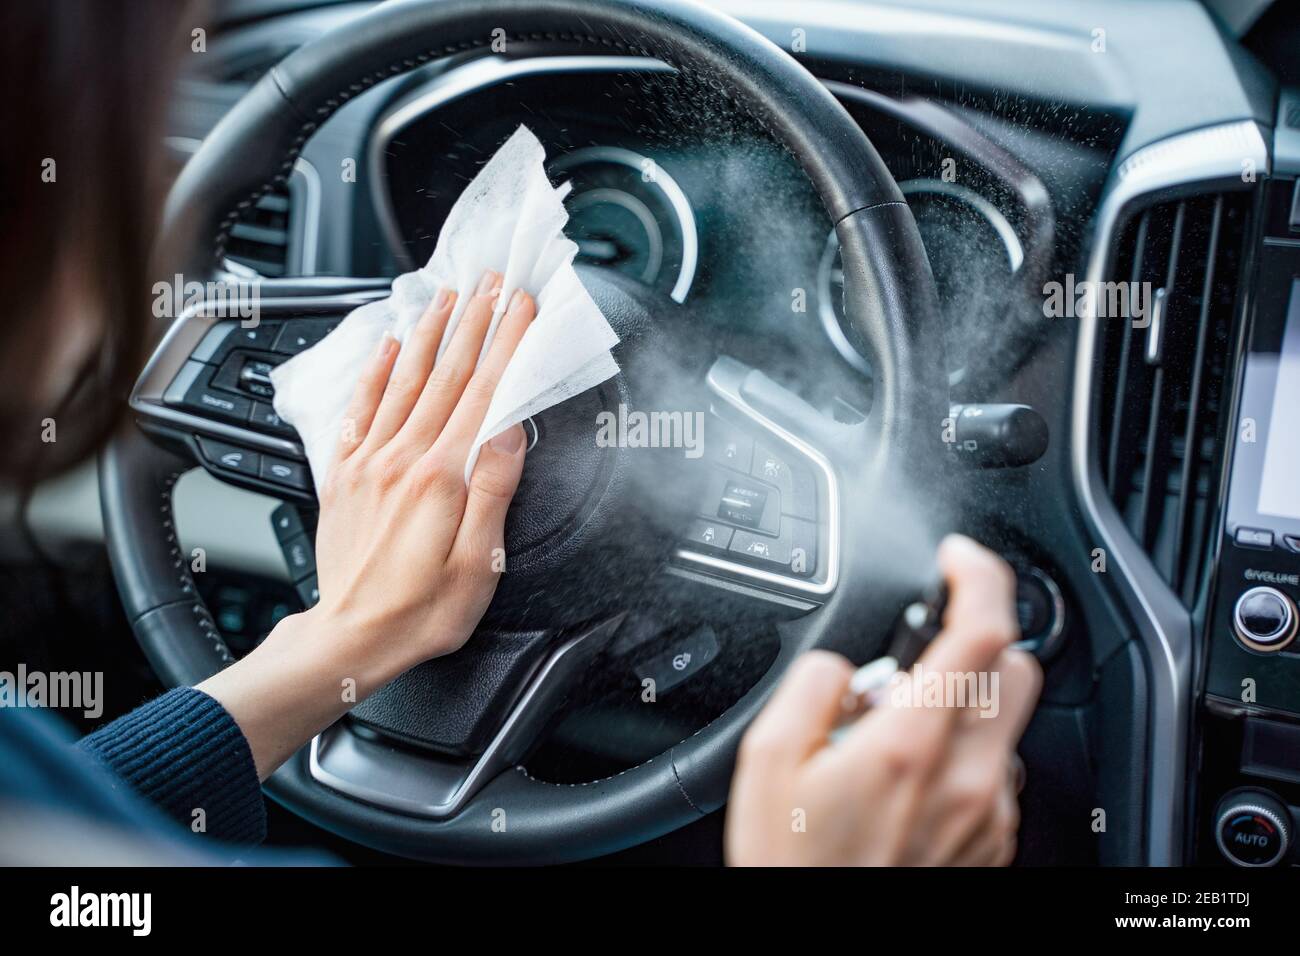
489,282
386,344
442,298
509,441
517,300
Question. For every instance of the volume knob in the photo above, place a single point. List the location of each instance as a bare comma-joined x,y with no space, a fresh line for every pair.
1264,619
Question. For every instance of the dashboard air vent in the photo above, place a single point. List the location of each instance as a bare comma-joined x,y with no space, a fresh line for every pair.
260,239
1162,407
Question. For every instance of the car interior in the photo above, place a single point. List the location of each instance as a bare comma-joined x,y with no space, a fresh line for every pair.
1107,195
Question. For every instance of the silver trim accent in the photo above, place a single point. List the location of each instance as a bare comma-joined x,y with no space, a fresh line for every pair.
1155,350
1212,156
827,529
460,81
1282,826
309,180
1274,642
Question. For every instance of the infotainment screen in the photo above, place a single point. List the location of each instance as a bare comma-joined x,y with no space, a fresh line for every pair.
1279,486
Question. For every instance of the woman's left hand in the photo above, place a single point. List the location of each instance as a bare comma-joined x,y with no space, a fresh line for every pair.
407,555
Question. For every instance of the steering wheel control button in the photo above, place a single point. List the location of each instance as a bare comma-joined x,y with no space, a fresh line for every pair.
772,468
681,661
226,457
299,557
212,342
301,334
762,550
742,504
1264,619
1254,538
1253,828
287,523
281,471
191,391
709,534
727,445
264,418
738,500
308,591
260,337
802,503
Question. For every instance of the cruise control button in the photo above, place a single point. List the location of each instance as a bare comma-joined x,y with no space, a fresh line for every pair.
709,534
772,468
742,504
281,471
264,418
761,550
229,457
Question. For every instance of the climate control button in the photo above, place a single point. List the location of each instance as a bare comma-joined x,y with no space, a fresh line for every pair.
1264,619
1252,828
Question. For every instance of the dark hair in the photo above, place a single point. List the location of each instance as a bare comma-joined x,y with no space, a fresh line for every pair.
83,169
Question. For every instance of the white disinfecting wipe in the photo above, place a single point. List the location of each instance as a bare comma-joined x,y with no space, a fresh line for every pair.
509,219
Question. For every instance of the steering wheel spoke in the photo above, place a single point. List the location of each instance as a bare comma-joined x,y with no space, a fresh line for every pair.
354,760
207,387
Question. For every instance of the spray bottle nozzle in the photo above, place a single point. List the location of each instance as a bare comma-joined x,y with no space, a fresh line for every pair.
918,625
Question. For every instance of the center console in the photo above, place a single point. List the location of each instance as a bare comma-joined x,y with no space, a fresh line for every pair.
1250,746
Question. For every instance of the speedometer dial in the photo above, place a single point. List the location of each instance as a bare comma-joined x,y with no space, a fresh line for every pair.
628,214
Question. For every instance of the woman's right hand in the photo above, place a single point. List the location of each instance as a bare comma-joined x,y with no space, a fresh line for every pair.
927,785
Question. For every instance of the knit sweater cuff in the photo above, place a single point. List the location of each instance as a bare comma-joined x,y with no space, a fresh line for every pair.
186,755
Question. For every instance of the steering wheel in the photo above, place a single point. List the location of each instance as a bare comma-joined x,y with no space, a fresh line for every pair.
433,769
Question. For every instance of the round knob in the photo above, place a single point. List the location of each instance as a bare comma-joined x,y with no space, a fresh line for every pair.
1253,828
1264,619
1040,609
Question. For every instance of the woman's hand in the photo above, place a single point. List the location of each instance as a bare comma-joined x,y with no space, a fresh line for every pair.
405,552
906,784
407,556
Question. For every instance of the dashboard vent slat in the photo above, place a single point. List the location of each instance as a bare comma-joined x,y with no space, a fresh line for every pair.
1160,401
260,239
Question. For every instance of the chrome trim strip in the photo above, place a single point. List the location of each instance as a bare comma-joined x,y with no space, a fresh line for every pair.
829,528
1215,156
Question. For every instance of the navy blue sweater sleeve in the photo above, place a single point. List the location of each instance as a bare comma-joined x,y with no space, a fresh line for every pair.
184,753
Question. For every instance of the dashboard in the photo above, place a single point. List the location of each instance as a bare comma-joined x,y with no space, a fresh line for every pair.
1155,529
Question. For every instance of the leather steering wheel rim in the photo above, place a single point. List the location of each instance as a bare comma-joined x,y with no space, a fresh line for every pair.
889,295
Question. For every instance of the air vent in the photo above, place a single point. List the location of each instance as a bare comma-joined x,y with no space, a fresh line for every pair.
260,239
1161,412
